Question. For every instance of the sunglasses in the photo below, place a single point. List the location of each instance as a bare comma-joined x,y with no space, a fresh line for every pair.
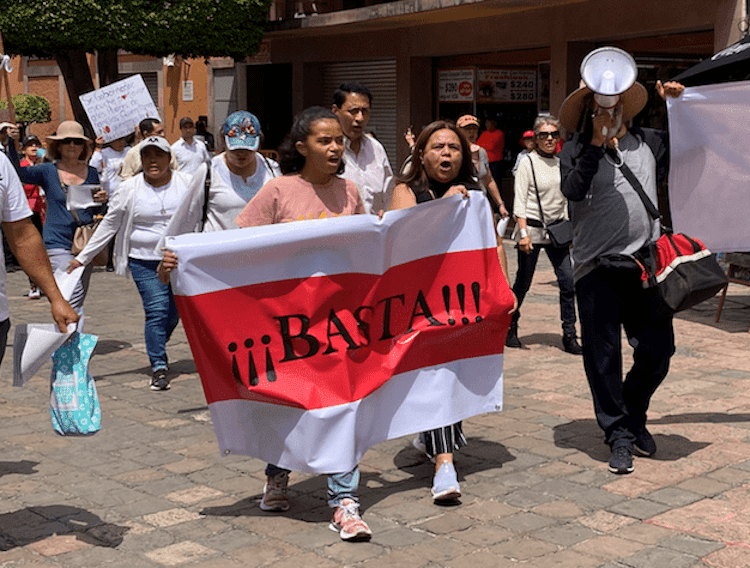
544,135
76,141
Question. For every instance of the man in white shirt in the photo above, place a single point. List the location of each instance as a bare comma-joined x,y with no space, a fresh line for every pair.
27,245
132,165
365,159
189,151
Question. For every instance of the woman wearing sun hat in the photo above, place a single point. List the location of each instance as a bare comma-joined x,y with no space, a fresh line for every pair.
70,149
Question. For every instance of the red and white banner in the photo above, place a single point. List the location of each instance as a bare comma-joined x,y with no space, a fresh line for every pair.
315,340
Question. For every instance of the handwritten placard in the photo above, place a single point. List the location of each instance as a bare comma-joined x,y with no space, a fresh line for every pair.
115,110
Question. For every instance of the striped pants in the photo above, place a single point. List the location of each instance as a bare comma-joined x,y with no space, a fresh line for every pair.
445,440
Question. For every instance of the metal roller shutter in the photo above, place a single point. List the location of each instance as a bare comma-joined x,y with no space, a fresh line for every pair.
380,78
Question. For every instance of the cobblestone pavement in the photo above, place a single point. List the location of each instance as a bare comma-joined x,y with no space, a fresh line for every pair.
150,490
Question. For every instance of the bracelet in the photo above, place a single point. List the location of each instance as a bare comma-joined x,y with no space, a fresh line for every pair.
524,233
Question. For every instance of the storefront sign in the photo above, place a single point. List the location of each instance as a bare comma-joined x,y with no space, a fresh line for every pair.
506,86
456,85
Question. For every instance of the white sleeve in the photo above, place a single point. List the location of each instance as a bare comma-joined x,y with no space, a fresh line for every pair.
15,206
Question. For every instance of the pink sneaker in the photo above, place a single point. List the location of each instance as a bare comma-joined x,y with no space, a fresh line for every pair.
347,522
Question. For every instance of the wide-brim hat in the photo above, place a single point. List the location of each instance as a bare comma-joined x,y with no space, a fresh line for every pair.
633,100
69,129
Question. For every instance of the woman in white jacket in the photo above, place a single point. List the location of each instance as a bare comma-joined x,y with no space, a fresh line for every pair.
137,217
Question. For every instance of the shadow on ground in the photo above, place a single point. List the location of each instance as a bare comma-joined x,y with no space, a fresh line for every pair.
32,524
23,467
586,436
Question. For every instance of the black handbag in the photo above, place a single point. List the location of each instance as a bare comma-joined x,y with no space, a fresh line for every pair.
678,271
561,231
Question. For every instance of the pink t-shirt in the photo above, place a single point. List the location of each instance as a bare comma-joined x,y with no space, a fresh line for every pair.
290,198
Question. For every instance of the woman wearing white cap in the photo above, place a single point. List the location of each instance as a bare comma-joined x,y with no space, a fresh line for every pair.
70,149
137,217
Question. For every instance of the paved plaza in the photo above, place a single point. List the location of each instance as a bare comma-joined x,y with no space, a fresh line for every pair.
151,490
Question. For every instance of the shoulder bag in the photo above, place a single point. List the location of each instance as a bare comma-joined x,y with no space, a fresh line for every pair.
560,232
678,271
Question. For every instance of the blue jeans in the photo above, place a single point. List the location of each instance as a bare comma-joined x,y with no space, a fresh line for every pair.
340,485
161,311
560,259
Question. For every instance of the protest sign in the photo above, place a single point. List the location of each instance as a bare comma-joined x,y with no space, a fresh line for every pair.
115,110
317,339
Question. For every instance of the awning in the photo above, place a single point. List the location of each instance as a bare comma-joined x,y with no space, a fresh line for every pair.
730,64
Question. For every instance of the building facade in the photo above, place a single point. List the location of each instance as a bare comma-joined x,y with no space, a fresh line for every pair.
423,59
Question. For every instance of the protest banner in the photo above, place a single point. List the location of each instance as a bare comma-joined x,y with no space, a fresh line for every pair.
315,340
115,110
709,169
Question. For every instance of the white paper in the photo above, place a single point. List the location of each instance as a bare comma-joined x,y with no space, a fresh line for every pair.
81,196
115,110
67,282
502,225
33,345
709,173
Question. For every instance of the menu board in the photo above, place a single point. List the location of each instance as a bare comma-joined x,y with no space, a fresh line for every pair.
506,86
456,85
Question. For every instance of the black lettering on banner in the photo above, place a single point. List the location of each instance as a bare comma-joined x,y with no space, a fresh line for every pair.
286,338
363,326
334,319
421,303
387,315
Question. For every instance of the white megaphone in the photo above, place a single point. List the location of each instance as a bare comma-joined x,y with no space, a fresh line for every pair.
609,71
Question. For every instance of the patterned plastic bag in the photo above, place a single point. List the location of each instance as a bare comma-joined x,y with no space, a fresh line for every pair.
73,404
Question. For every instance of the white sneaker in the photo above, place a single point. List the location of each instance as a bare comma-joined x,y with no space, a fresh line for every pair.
34,294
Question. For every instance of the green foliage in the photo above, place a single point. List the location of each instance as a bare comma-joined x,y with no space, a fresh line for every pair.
29,108
190,28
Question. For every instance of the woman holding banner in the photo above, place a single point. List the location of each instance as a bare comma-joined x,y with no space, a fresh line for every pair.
137,218
70,149
311,159
442,167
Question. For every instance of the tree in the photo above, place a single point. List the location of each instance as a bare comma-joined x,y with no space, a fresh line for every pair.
29,109
68,29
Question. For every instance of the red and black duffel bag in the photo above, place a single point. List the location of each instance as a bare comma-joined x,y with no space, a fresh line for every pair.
682,273
678,271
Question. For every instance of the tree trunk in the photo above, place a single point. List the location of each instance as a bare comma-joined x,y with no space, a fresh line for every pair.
78,81
106,61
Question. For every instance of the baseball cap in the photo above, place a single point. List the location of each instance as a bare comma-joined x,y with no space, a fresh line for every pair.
242,131
30,139
156,141
467,120
186,121
528,134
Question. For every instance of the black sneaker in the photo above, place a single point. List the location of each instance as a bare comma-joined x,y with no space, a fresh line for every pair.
159,380
511,340
621,460
570,345
644,444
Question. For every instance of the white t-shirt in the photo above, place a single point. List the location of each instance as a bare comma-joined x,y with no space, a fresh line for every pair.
108,163
13,207
229,193
190,156
154,207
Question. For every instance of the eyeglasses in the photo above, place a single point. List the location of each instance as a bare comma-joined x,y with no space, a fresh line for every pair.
544,135
76,141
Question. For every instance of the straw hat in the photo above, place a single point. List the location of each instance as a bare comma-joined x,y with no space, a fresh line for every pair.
69,129
633,100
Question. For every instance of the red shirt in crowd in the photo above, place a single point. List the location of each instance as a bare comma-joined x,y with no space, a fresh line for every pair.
494,143
36,201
